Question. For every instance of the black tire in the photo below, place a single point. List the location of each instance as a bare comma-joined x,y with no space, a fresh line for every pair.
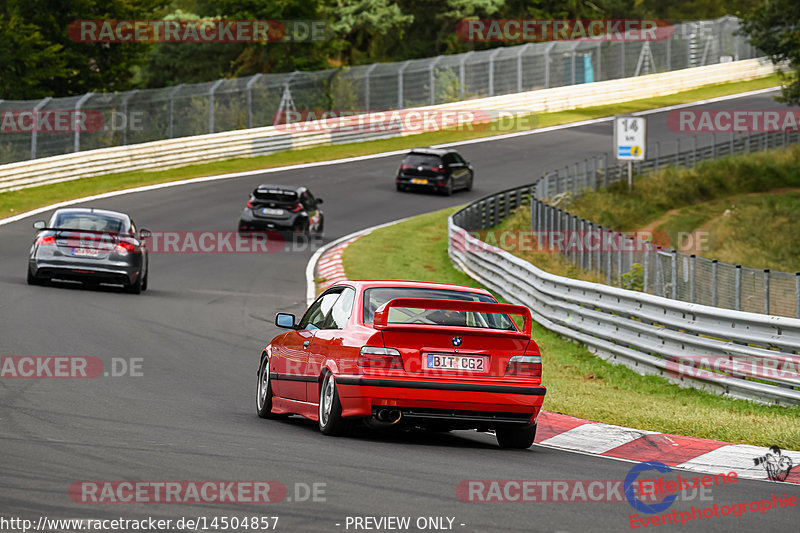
33,280
264,391
333,424
448,190
400,188
144,281
135,287
515,437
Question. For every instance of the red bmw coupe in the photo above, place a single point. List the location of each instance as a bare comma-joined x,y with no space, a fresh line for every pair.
401,353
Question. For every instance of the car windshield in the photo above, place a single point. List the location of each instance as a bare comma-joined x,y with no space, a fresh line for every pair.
275,195
376,297
89,222
419,160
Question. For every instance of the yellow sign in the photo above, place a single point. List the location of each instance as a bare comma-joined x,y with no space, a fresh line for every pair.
636,151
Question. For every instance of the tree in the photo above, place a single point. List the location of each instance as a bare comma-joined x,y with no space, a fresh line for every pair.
39,28
773,29
364,28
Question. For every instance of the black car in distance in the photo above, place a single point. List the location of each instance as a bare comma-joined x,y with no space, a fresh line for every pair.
283,208
92,246
433,169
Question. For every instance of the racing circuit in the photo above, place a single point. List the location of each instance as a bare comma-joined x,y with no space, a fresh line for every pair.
197,334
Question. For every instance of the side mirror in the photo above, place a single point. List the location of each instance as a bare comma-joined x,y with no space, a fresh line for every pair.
40,224
285,320
144,233
319,200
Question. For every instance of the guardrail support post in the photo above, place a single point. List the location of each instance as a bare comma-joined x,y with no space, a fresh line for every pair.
645,267
608,256
692,260
766,291
738,288
211,104
36,109
714,292
620,238
581,244
585,242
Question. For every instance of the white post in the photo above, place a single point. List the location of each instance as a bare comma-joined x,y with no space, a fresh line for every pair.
77,144
400,84
249,87
211,104
36,109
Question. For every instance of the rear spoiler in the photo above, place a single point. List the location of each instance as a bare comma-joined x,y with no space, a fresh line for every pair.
382,314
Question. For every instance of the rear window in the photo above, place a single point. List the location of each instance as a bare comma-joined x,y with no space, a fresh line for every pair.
374,298
275,195
422,160
89,222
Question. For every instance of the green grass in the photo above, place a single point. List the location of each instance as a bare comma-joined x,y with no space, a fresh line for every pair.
578,383
737,201
26,199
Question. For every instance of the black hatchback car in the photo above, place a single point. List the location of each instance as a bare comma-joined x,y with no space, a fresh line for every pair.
441,170
285,209
92,246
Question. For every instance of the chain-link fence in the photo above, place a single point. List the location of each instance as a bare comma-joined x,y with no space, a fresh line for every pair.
229,104
633,263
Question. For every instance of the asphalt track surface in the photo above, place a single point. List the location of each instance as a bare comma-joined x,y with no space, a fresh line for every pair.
198,333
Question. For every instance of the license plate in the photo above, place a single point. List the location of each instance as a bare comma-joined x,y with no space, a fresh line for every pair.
85,252
419,181
465,363
268,211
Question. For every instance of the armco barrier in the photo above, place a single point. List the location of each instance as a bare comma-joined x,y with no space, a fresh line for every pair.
262,141
744,355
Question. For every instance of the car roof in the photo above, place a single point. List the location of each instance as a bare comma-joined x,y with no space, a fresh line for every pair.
269,187
432,151
361,285
106,212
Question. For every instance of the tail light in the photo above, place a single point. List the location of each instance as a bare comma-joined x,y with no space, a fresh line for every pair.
404,166
46,241
297,208
124,247
439,169
380,357
250,204
525,365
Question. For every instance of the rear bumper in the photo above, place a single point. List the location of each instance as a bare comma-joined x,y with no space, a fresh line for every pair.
433,183
476,403
85,272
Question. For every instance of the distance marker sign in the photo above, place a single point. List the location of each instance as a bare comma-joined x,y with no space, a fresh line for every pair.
630,137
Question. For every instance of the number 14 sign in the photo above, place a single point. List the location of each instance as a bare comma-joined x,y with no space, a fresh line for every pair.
630,137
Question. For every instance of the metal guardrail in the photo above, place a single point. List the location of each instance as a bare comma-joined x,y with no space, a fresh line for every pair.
186,110
741,354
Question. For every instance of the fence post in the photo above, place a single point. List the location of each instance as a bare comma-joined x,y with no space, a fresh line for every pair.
714,293
608,259
645,267
78,104
797,294
692,260
125,114
432,78
491,70
738,288
462,74
171,102
766,291
589,230
674,275
249,88
669,52
41,104
547,64
522,50
618,236
211,104
400,84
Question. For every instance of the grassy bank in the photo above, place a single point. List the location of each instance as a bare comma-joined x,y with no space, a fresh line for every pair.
26,199
579,384
747,207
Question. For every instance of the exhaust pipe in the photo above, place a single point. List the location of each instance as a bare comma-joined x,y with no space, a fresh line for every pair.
388,416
